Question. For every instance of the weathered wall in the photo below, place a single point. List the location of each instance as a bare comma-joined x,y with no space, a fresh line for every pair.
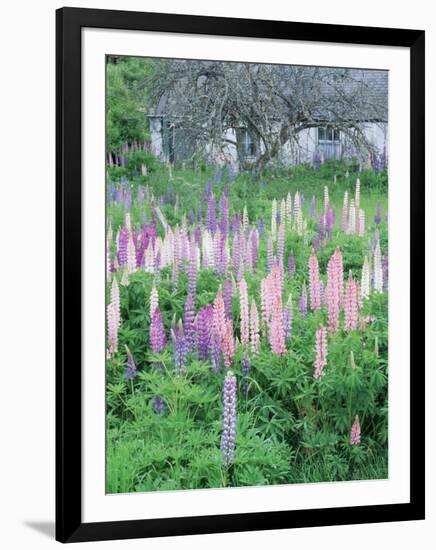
302,151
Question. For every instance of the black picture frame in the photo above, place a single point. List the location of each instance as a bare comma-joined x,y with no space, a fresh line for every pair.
69,525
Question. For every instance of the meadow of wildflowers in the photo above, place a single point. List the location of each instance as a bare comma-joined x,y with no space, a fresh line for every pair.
247,325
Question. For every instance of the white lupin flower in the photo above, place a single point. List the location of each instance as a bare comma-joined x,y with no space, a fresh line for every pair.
378,270
154,300
131,255
365,284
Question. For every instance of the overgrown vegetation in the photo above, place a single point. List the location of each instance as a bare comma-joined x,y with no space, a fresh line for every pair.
164,425
126,100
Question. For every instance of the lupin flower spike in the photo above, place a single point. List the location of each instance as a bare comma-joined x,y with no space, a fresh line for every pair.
355,432
228,437
321,351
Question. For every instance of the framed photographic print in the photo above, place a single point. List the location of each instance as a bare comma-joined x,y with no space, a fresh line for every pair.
240,269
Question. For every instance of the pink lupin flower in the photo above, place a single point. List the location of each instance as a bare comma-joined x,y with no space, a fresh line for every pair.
314,288
321,351
334,289
254,328
114,317
351,305
219,314
355,432
244,312
340,275
228,344
276,277
276,331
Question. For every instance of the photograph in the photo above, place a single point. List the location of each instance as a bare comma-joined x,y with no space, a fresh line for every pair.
247,274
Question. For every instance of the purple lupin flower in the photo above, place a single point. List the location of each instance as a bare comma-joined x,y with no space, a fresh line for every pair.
227,296
199,215
246,367
215,343
140,252
189,323
302,302
157,332
158,405
192,270
197,235
287,319
180,348
130,371
254,248
291,265
191,217
236,254
329,222
122,246
228,437
236,222
211,214
224,221
321,228
204,325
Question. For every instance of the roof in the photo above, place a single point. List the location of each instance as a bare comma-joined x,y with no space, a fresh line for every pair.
363,92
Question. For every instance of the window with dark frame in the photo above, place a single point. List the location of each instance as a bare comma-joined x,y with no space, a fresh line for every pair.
249,145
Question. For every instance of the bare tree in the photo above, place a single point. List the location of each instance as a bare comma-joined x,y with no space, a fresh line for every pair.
274,103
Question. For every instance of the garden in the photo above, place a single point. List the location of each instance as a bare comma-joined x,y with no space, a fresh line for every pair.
247,323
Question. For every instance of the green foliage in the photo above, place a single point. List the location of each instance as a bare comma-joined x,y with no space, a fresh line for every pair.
126,101
291,428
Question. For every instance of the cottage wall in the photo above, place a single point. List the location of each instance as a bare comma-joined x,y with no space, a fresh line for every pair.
303,150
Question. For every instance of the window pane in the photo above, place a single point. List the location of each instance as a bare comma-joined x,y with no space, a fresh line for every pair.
321,133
